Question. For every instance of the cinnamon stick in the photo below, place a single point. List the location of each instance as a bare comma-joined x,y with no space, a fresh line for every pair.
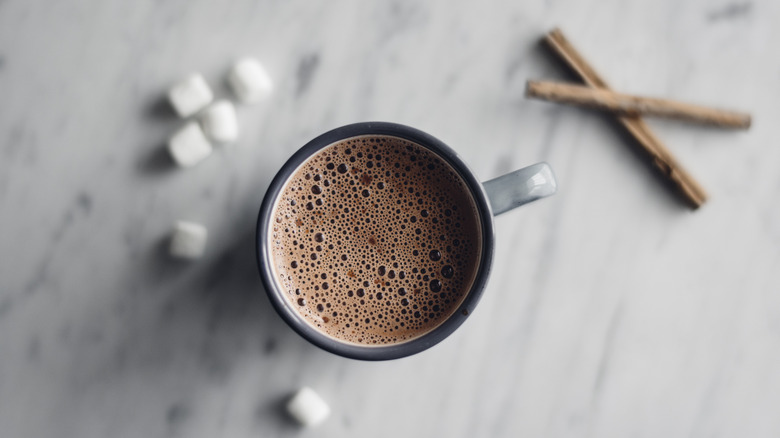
658,155
629,105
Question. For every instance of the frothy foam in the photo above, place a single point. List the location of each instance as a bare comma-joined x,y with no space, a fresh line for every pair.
376,240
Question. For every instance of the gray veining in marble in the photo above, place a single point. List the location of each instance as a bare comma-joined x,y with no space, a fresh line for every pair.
612,310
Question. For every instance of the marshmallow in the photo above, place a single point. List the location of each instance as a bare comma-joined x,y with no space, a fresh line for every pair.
189,145
219,122
190,95
307,407
188,240
249,80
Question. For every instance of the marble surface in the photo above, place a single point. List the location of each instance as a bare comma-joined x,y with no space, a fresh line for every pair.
612,309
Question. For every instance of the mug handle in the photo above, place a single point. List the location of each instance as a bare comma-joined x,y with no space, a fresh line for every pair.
520,187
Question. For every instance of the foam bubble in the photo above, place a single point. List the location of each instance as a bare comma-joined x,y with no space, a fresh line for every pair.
369,259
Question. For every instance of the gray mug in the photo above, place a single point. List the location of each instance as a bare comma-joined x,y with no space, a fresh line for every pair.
492,198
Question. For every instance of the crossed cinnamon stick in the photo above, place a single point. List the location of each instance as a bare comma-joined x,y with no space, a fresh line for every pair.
629,105
628,110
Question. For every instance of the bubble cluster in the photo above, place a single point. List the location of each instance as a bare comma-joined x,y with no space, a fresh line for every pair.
376,240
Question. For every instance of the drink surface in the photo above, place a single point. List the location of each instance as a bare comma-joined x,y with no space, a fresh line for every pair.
376,240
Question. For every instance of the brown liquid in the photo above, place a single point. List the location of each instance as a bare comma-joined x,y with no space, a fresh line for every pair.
376,240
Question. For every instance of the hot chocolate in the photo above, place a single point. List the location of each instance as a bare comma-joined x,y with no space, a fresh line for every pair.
376,240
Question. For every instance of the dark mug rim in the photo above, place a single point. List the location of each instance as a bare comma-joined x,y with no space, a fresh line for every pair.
355,351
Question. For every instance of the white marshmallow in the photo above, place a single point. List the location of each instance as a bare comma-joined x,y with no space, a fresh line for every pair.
249,80
189,145
190,95
188,240
308,408
220,123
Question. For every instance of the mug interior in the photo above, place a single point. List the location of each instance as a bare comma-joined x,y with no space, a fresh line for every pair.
278,294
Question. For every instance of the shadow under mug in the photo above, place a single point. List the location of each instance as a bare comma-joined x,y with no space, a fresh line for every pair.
491,198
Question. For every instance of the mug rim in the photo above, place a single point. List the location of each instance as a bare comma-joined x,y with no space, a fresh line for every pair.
277,295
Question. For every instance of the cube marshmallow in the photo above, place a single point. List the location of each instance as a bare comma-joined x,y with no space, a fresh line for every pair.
188,240
220,123
189,145
308,408
190,95
249,80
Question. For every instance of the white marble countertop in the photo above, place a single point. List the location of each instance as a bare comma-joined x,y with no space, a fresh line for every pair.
612,310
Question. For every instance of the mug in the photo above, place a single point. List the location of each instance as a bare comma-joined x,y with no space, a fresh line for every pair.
492,198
